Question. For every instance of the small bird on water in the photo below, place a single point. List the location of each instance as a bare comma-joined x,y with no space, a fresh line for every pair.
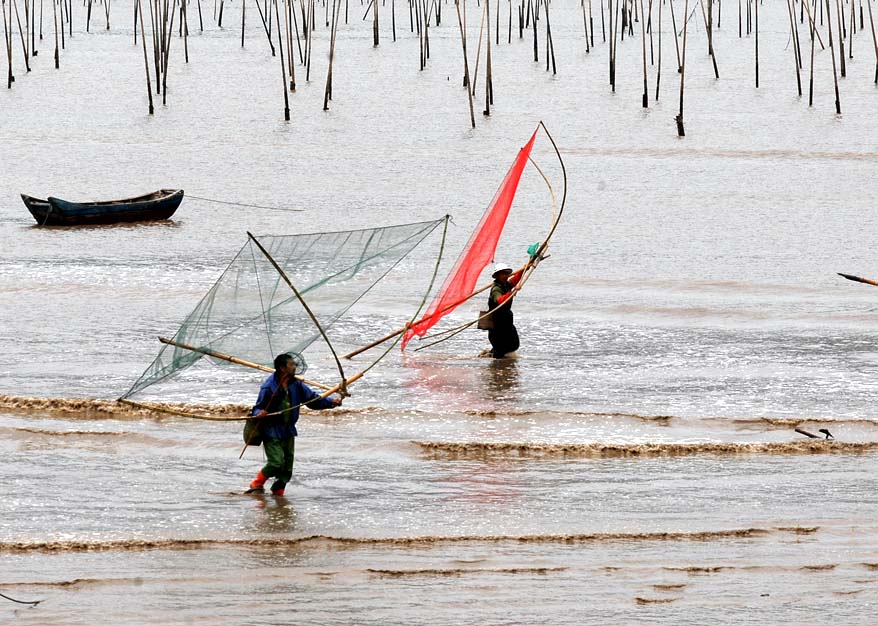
826,432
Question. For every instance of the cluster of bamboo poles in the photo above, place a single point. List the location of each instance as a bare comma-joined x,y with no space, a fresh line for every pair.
30,25
289,26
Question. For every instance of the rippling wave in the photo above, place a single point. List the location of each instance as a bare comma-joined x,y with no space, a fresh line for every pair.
526,413
640,600
466,450
95,408
792,422
184,544
458,571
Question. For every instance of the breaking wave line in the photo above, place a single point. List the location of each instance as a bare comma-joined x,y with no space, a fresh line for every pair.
475,450
189,544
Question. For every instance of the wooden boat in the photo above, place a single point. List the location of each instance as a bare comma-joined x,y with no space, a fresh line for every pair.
159,205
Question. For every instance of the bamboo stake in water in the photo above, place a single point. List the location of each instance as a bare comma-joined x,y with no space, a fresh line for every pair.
264,27
55,16
6,28
658,76
832,54
184,22
478,53
756,9
611,53
536,10
145,58
550,44
814,30
21,35
585,25
289,21
839,13
466,81
676,40
681,132
327,94
874,40
283,69
811,69
645,100
167,55
375,23
487,110
311,40
708,28
792,16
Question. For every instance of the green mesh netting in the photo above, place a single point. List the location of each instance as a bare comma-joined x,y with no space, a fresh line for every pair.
252,314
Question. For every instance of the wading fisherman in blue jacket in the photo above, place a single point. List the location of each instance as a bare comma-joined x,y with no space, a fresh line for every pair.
283,393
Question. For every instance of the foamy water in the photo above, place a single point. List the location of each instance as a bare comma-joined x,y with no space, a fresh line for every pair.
636,463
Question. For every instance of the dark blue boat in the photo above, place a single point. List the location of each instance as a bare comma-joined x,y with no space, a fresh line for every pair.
159,205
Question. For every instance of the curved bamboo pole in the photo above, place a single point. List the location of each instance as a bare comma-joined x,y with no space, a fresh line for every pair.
308,310
531,265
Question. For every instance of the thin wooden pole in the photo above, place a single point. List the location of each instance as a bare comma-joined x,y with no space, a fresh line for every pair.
676,40
680,129
874,40
832,54
645,100
811,69
327,94
585,24
814,29
839,13
283,69
57,52
615,28
489,96
375,23
550,43
310,40
145,58
658,76
235,360
466,80
708,28
22,35
756,9
792,17
289,18
184,22
264,27
167,54
10,78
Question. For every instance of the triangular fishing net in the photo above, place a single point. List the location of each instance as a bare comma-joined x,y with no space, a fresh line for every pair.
252,314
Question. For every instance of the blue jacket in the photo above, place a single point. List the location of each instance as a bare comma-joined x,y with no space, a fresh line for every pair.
271,399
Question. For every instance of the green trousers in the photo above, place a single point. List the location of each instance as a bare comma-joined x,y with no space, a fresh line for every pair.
280,454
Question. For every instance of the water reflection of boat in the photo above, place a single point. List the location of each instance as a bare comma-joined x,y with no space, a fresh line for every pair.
158,205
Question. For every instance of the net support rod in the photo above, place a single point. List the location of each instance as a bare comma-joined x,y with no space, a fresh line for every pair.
234,359
399,331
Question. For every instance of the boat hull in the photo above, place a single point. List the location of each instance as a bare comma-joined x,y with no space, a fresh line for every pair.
159,205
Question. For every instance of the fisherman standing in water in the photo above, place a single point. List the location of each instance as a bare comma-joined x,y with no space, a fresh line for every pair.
503,336
278,404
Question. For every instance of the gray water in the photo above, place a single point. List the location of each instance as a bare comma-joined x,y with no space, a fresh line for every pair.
636,463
